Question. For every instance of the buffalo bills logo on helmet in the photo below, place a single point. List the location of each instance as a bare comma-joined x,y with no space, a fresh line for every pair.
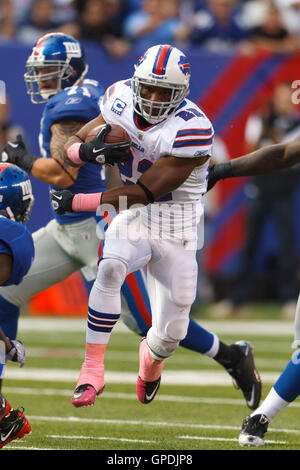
184,65
141,59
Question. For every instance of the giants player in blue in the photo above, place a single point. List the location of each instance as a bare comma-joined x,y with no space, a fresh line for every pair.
16,256
55,76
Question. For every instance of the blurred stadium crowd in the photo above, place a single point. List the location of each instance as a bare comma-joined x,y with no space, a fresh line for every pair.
218,25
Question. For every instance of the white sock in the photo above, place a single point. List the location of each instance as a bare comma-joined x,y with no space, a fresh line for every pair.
214,348
271,406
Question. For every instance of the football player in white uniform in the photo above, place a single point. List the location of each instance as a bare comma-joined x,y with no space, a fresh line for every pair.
171,144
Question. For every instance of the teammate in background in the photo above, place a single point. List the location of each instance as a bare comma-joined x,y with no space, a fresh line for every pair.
161,122
287,387
16,256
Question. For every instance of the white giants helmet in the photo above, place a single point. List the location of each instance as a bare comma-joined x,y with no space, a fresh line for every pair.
161,66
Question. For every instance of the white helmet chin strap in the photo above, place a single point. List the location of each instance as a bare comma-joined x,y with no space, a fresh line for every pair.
46,94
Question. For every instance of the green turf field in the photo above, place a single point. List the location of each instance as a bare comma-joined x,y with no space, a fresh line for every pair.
196,408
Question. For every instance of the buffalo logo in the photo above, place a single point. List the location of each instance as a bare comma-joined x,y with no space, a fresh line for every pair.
141,59
184,65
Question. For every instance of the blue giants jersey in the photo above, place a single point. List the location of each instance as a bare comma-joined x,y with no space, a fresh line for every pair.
78,103
16,241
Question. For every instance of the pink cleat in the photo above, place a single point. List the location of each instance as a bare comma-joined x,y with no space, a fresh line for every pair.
85,395
149,377
91,380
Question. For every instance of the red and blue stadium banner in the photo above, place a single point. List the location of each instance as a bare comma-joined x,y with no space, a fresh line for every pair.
242,87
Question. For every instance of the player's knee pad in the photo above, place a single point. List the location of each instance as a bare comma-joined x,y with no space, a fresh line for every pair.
184,286
160,348
176,329
111,274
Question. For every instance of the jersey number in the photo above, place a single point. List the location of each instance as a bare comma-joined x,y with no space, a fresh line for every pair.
126,169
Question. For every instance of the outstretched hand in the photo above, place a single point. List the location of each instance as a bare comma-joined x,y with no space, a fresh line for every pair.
16,153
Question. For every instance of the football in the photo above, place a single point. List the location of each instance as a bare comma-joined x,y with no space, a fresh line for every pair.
117,134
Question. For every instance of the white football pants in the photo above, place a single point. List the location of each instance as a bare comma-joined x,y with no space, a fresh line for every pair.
171,278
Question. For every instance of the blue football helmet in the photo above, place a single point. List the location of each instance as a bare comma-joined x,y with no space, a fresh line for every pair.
57,61
16,198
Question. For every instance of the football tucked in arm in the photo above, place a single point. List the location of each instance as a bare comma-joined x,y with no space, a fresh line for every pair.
116,135
104,145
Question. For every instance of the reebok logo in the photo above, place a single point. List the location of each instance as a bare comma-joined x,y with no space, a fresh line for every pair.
100,158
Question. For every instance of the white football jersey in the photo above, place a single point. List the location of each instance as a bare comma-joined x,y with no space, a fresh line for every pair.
186,133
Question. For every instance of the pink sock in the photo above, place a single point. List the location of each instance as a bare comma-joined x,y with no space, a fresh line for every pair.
92,371
150,369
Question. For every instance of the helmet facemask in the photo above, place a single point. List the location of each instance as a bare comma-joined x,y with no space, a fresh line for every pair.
34,79
156,111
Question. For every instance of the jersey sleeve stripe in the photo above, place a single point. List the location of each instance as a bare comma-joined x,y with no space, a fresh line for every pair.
191,132
109,92
192,143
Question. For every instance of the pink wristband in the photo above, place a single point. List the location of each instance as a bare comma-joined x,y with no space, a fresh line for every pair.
73,153
86,202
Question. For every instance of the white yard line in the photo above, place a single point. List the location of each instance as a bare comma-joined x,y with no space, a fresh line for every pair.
22,447
131,396
73,420
226,439
178,377
125,356
253,327
98,438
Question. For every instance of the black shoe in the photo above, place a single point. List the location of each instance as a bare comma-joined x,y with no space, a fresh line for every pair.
253,430
246,376
13,426
146,391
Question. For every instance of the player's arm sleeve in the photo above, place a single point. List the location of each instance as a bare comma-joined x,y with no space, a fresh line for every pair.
6,262
193,140
4,248
16,240
75,107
